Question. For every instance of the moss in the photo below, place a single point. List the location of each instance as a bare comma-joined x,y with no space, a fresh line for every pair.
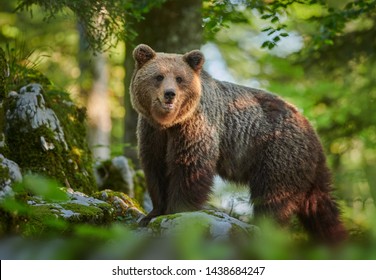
112,177
39,221
3,71
85,213
79,161
21,76
139,186
54,218
72,167
5,222
109,195
26,150
127,209
4,173
155,224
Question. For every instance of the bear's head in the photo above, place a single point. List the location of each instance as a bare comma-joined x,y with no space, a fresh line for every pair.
166,88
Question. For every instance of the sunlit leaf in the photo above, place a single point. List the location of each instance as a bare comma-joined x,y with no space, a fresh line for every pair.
48,189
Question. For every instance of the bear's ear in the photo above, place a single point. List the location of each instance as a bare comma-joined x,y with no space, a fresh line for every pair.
142,54
195,59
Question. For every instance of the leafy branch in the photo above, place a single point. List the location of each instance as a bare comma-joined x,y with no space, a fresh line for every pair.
104,22
332,21
109,21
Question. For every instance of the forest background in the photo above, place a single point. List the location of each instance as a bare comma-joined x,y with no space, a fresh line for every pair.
319,55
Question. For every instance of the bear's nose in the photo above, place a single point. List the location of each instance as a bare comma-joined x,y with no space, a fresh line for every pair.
169,94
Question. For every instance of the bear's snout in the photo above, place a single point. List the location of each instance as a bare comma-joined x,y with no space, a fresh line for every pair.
169,95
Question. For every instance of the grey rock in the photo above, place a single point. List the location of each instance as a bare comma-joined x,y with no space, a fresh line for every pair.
78,207
218,225
115,175
31,109
12,174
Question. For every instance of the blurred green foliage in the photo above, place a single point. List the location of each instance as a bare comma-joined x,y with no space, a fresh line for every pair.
47,189
52,238
105,22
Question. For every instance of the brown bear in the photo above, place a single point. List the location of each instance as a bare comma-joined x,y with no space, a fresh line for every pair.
192,127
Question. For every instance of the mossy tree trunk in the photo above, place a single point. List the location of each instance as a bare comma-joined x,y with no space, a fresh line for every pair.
174,27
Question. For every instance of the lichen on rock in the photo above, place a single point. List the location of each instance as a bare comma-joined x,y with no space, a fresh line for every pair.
78,207
40,216
45,134
30,109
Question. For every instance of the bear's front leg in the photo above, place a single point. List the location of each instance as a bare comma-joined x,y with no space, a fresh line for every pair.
192,155
152,144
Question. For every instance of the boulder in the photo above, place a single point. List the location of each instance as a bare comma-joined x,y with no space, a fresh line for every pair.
9,174
216,225
115,174
127,210
44,133
44,216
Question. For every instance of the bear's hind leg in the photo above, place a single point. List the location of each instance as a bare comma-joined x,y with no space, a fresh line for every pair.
281,207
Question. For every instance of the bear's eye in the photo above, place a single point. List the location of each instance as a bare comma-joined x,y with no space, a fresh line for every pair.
179,80
159,78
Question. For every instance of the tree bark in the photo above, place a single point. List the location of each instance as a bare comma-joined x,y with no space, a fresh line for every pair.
94,91
174,27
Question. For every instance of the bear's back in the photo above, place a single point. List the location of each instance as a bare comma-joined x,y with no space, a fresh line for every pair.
254,125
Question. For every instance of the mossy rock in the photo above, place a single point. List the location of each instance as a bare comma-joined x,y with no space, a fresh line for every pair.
115,174
41,129
139,184
118,174
41,217
9,174
214,225
45,134
127,209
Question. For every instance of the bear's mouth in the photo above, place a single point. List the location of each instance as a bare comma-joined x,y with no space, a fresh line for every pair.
164,112
167,105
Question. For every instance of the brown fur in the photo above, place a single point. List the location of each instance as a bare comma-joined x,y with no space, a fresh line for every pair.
192,127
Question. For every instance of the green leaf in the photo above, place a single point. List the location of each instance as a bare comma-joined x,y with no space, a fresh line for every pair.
329,42
275,19
276,39
12,205
284,34
48,189
349,6
265,44
271,45
267,16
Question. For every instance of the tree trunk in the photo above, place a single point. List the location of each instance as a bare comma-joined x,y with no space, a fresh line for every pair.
174,27
370,171
94,91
